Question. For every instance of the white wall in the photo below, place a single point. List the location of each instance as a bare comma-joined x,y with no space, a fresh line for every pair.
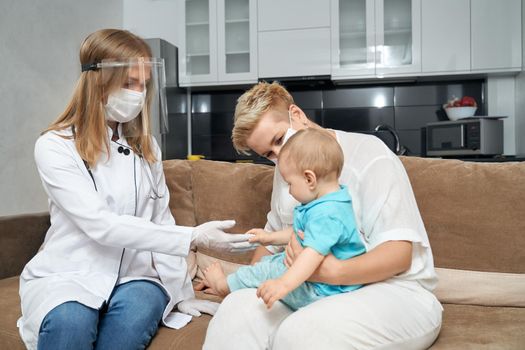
39,44
501,100
153,19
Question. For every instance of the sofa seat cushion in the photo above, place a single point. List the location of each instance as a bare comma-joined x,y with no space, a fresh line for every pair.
10,306
191,337
481,327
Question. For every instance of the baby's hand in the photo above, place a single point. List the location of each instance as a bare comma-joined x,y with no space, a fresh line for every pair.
260,236
271,291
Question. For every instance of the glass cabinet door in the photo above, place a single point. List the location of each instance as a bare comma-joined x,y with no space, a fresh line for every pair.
237,38
199,51
398,36
353,41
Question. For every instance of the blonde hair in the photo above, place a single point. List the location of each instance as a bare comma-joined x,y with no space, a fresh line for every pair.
252,105
85,112
315,150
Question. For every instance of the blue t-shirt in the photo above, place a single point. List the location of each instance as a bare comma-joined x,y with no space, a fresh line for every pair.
329,226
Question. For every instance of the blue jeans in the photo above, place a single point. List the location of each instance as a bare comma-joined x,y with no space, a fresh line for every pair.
130,320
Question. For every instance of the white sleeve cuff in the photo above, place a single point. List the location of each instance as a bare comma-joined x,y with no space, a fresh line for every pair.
400,234
274,249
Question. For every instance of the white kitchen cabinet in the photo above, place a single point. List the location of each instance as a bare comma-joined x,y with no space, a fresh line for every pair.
353,38
218,42
496,35
445,45
237,41
198,51
292,14
375,38
293,38
294,53
398,37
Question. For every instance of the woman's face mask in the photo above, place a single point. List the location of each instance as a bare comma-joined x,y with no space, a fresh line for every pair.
124,105
289,133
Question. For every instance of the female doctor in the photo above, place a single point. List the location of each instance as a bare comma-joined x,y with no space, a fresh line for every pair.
112,263
396,309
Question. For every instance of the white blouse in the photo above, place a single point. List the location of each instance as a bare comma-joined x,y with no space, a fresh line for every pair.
382,198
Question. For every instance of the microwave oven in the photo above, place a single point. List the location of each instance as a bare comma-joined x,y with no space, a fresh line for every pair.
465,137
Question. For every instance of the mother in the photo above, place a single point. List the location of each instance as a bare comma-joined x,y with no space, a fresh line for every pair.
112,264
396,310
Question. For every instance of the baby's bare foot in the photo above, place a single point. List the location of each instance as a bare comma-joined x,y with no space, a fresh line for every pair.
216,279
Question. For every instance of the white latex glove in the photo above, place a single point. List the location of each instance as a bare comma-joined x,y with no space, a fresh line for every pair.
196,307
211,235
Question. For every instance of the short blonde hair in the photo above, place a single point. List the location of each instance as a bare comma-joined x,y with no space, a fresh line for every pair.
313,149
251,106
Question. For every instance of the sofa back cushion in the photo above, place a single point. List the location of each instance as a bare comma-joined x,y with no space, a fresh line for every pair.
209,190
178,180
473,212
224,191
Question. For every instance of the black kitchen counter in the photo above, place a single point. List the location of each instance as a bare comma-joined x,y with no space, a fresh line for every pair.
493,159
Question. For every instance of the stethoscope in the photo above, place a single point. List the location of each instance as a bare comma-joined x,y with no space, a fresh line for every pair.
126,151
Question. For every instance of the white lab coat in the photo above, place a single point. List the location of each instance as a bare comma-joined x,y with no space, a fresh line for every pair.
382,199
92,230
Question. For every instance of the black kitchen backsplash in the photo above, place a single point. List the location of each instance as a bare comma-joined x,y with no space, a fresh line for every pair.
405,107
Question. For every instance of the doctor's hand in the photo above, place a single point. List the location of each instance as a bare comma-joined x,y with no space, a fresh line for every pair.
196,307
293,249
211,235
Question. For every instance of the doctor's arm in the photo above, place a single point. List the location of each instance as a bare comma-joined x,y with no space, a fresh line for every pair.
71,189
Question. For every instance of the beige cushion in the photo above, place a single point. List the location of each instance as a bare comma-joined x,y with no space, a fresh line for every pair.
472,212
191,260
178,180
232,191
204,260
191,337
480,288
467,327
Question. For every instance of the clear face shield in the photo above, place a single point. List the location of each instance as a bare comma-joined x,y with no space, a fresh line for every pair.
134,92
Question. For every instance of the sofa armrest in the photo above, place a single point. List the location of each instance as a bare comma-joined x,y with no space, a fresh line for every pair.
20,239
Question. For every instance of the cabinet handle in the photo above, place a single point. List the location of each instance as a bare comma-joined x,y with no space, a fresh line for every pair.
462,130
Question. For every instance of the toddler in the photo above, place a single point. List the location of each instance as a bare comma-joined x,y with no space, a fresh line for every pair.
310,162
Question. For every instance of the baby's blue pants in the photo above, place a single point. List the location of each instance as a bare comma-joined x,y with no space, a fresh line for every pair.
272,267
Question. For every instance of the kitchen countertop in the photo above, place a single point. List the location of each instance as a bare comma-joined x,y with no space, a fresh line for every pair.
499,158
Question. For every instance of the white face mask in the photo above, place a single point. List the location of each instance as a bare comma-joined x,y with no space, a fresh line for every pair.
124,105
289,133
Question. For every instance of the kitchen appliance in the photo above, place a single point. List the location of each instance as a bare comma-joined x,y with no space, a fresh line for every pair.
480,136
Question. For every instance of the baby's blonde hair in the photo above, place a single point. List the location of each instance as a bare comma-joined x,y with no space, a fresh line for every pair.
252,105
315,150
